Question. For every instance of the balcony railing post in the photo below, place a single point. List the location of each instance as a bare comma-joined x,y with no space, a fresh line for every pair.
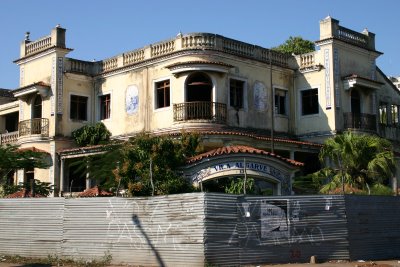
39,126
201,110
360,121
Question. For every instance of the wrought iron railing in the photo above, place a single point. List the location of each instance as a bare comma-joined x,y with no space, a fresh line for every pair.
38,126
361,121
206,111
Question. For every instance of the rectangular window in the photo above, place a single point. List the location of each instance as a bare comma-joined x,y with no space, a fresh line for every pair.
309,102
280,102
78,107
236,93
383,113
105,107
163,94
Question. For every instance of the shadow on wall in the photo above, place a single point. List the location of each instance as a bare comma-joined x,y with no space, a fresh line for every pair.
136,221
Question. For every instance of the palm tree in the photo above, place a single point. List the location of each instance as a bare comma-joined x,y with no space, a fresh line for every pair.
358,162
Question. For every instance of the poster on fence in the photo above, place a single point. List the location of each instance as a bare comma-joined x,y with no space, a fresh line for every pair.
274,219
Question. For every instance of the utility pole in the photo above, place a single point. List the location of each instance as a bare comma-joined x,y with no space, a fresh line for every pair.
245,176
272,101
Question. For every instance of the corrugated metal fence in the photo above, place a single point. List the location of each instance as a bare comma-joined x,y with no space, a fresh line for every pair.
202,228
275,229
155,231
374,227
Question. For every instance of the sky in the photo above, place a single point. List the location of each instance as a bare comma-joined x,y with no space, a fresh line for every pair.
99,29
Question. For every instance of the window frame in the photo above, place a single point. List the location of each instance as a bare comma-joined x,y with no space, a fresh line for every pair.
100,99
244,96
286,101
233,88
302,102
156,94
71,107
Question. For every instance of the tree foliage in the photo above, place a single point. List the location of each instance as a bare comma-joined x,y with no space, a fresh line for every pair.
90,135
296,45
11,158
361,163
144,165
41,188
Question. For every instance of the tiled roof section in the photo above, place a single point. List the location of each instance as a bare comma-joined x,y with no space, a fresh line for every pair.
33,149
95,192
6,93
251,135
198,62
356,76
23,194
241,149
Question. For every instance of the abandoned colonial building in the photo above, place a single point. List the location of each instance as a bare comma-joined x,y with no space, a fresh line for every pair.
255,109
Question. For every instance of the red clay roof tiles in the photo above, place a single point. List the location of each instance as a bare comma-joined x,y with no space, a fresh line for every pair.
241,149
95,192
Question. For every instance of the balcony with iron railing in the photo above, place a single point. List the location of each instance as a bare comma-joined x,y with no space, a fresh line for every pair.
200,111
34,128
360,121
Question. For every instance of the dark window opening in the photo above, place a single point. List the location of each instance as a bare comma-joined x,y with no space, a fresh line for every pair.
280,102
29,175
37,107
309,101
76,181
163,94
236,93
78,107
199,88
12,122
355,102
105,107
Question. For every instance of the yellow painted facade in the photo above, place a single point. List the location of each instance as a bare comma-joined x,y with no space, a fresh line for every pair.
314,95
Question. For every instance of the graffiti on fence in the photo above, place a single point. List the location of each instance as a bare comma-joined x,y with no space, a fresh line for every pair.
126,226
280,222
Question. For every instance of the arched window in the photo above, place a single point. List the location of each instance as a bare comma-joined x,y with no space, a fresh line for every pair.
37,107
199,88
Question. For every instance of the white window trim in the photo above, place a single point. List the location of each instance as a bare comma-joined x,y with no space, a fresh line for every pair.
155,109
301,102
88,108
287,106
98,105
245,91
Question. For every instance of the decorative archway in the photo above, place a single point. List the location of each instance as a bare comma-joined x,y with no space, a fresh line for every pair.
241,161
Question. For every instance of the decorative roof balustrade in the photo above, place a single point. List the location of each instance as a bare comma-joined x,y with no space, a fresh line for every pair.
193,41
38,45
133,57
162,48
352,37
